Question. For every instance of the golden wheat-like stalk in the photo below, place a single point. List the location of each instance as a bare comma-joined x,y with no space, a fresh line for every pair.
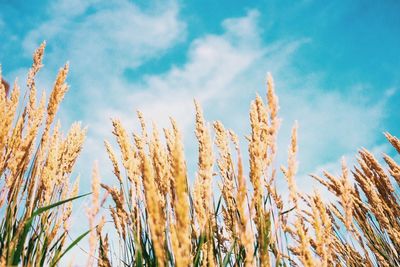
159,220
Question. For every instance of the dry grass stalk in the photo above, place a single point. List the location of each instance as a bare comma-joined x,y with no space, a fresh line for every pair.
159,221
35,169
203,183
291,170
159,157
227,185
181,229
92,212
156,216
246,239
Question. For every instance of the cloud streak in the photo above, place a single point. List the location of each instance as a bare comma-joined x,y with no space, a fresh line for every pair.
221,71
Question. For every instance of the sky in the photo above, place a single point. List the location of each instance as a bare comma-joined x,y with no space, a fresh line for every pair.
336,67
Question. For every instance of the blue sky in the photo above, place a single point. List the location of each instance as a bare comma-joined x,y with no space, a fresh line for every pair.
336,66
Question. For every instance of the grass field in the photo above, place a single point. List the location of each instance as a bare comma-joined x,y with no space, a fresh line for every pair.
161,219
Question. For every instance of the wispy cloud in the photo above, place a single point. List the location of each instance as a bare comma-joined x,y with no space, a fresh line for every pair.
101,40
221,71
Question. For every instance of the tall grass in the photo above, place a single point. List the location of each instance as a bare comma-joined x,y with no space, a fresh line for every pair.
36,162
161,220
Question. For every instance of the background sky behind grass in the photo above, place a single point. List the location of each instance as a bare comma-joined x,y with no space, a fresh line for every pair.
336,66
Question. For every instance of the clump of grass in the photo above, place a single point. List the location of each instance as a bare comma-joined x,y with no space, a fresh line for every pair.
36,162
162,221
365,220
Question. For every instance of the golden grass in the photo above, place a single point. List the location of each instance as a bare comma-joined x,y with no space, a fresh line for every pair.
160,219
36,163
248,224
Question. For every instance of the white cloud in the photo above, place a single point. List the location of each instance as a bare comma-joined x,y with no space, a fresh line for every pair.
213,62
101,40
88,30
221,71
331,123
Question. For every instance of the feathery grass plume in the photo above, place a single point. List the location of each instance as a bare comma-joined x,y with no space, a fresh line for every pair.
278,215
126,213
394,141
103,260
159,222
181,228
302,249
257,154
246,239
142,126
203,184
3,89
141,202
68,208
49,174
169,140
301,236
128,158
227,173
346,197
291,170
117,196
161,166
274,121
366,208
36,195
131,163
114,160
257,150
92,212
394,168
36,66
7,133
322,226
71,148
57,94
123,142
262,151
156,217
4,86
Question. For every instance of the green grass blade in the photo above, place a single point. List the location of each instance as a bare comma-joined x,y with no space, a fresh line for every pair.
43,209
198,252
73,244
16,255
228,255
